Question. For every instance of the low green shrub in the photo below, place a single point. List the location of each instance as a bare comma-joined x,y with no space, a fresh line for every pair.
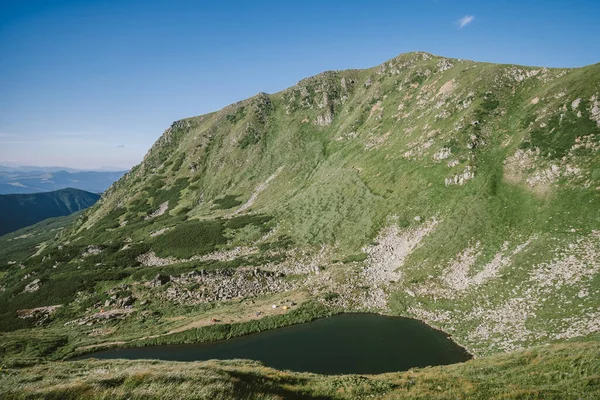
226,202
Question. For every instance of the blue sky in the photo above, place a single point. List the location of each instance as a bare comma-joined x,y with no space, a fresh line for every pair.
94,83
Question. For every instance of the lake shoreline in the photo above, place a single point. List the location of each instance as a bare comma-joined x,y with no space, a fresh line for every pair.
380,341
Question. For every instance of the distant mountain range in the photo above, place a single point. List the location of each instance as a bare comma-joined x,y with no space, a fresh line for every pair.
15,180
20,210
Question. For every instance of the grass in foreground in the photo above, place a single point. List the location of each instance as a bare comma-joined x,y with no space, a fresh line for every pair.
569,370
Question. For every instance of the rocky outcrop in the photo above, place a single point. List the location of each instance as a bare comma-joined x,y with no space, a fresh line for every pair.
92,250
39,315
101,317
33,286
159,280
159,211
462,178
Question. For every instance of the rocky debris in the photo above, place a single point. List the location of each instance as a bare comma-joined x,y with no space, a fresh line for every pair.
92,250
347,83
205,287
324,91
159,232
101,332
544,176
444,65
577,327
581,261
376,111
32,286
28,275
226,255
159,280
462,178
116,302
417,150
538,172
521,74
519,163
444,153
159,211
446,89
40,315
150,259
102,317
458,277
505,325
26,235
387,256
324,119
259,189
120,297
376,141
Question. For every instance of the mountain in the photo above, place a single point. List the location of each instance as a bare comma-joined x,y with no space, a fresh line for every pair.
43,179
20,210
463,194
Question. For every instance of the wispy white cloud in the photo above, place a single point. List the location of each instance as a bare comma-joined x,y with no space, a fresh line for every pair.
464,21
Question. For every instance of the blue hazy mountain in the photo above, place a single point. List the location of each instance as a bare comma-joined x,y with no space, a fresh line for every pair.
21,210
14,180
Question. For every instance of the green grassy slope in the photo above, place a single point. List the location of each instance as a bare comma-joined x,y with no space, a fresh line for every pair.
463,194
20,210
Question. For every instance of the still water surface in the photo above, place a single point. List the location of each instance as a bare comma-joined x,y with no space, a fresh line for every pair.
341,344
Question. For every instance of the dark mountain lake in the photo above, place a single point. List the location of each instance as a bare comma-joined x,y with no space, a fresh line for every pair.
341,344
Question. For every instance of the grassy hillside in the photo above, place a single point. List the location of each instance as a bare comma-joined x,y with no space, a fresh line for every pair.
19,245
20,210
463,194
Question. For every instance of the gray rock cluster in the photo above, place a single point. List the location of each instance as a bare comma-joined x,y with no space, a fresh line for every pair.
204,287
91,250
101,317
120,297
32,286
39,315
